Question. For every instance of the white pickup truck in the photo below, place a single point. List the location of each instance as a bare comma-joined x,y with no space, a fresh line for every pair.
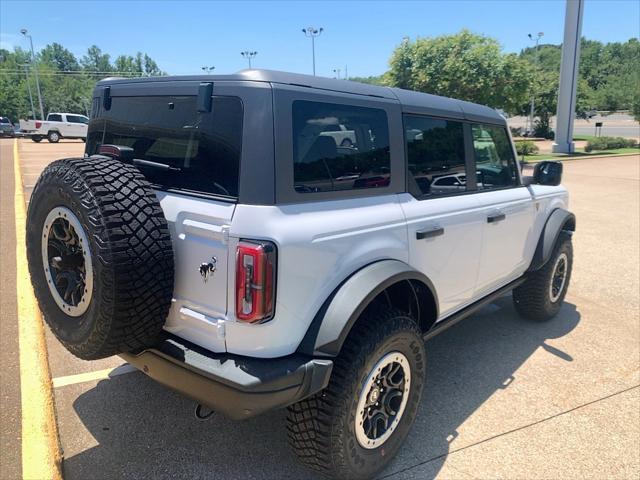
55,127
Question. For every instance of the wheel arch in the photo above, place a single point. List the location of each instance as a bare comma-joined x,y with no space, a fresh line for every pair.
390,280
559,220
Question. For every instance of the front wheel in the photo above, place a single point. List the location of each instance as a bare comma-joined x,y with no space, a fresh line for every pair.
354,427
541,296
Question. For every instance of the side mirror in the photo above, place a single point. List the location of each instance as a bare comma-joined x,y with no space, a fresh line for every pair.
548,173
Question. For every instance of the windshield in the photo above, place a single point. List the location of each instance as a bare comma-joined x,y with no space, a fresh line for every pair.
202,149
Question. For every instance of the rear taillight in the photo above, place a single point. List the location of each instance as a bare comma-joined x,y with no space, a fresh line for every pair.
255,280
38,124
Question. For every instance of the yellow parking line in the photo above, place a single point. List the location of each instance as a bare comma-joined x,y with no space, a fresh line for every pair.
41,456
91,376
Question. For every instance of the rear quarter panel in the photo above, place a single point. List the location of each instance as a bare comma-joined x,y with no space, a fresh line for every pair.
320,244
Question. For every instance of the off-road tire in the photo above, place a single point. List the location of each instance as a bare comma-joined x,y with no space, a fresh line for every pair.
130,248
53,137
321,429
532,299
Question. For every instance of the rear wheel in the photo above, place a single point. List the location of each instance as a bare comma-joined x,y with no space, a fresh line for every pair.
53,137
542,295
356,425
36,138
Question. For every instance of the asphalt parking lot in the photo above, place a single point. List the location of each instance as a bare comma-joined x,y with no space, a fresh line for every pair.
504,398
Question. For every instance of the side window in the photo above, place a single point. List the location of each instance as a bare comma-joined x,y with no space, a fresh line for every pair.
435,154
54,117
495,165
77,119
339,147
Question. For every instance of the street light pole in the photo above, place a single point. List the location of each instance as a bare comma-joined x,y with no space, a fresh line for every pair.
35,67
208,69
313,32
248,55
26,71
569,64
337,72
537,40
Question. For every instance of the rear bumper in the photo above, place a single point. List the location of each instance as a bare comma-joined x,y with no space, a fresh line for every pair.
240,387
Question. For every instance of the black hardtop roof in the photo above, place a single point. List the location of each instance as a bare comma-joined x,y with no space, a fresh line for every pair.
412,101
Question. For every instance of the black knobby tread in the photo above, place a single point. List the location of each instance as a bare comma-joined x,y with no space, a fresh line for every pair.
134,250
316,440
531,299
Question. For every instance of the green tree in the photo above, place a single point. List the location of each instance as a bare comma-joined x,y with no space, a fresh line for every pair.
141,64
70,91
609,72
96,61
59,57
635,107
466,66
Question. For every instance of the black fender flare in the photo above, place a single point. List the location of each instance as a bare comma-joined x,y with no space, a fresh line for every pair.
334,321
559,220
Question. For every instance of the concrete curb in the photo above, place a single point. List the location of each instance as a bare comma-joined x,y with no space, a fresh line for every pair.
41,453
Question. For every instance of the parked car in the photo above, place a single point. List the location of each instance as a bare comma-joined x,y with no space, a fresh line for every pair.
6,128
204,239
55,127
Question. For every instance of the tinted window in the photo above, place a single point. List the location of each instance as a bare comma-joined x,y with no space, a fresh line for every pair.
435,153
495,165
54,117
202,149
77,119
4,120
339,147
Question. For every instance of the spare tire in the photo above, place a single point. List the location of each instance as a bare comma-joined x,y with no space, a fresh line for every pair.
100,256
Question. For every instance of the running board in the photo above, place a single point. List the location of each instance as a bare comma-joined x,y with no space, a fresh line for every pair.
471,309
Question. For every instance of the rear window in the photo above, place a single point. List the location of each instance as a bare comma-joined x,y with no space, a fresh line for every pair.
339,147
4,120
203,149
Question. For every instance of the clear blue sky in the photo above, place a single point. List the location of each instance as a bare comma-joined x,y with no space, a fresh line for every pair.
184,35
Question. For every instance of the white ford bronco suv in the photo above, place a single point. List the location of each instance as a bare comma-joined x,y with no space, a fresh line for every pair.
218,239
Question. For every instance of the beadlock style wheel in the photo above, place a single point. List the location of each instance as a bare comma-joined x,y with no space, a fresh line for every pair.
67,263
383,400
100,256
558,277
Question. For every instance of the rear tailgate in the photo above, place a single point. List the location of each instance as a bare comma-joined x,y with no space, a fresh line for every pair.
199,230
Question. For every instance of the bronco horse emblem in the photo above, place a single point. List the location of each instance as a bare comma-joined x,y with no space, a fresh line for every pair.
208,269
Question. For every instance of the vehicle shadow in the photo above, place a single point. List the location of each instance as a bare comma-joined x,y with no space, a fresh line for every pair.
143,430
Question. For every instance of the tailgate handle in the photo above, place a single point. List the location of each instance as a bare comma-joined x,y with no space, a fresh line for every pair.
429,233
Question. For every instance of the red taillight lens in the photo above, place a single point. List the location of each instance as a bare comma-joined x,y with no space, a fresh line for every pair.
255,280
38,124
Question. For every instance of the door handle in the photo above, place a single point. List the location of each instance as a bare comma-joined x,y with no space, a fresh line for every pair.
496,217
429,233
